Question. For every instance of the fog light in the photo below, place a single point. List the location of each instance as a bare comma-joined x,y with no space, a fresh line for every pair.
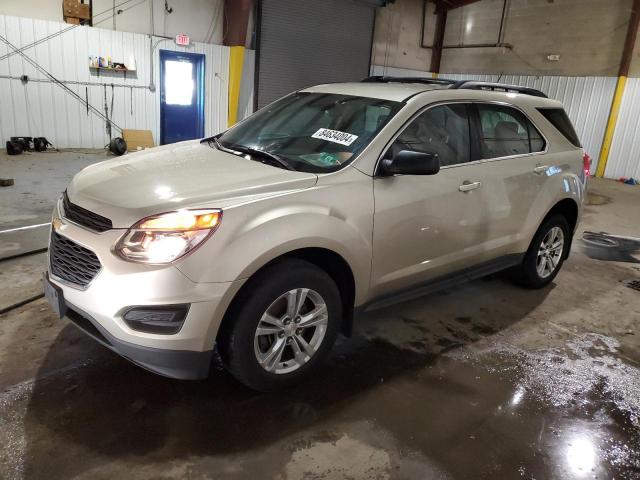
163,319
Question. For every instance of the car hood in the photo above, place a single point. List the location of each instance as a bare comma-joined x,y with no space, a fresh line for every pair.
182,175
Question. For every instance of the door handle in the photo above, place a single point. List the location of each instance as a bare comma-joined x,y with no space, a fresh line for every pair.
467,186
540,169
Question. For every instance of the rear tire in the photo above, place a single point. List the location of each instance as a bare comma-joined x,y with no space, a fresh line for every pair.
546,254
282,325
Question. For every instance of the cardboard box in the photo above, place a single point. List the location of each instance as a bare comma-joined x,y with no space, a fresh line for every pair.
75,9
70,8
72,20
137,139
83,11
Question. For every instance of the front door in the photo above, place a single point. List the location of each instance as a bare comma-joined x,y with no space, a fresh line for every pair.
181,96
426,226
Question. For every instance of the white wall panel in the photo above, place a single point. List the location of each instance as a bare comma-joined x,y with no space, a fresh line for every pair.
587,100
40,108
624,156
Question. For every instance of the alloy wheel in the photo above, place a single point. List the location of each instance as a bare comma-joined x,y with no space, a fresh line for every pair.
550,252
291,331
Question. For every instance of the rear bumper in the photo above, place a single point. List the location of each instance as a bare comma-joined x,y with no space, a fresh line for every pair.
179,364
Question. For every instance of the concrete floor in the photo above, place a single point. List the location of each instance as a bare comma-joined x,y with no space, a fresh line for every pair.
483,381
39,178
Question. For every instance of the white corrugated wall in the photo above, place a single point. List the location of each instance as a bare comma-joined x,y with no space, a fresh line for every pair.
44,109
587,100
624,156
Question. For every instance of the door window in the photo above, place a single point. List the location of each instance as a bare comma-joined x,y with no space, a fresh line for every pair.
178,82
505,131
441,131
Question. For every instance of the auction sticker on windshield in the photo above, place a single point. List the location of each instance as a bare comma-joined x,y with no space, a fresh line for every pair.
335,136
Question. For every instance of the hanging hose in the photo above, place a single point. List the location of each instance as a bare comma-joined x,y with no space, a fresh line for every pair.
112,100
106,113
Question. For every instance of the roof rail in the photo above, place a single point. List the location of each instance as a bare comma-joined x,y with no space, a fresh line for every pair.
496,87
428,81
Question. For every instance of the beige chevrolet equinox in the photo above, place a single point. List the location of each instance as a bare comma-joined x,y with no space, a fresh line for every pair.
262,243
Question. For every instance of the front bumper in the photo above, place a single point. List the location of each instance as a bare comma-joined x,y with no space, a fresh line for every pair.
98,308
179,364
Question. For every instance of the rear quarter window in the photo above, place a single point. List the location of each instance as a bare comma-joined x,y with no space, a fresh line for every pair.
559,119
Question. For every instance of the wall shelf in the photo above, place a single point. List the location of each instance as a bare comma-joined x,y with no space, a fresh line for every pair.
111,69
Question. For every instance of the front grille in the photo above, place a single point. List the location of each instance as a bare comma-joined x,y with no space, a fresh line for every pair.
72,262
84,217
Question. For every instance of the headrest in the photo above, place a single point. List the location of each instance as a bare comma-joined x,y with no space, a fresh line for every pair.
507,130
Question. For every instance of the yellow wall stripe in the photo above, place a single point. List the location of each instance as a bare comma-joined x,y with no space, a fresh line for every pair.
611,126
236,60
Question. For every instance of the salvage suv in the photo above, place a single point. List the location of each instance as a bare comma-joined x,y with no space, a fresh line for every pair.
262,243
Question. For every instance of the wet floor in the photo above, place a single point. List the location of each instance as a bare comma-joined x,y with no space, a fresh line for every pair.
480,382
483,381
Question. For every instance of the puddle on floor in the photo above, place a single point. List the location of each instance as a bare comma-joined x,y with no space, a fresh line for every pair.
594,198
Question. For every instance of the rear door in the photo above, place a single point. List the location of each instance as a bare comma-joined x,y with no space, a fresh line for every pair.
429,226
512,150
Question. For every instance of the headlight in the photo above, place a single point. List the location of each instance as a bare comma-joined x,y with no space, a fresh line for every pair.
166,237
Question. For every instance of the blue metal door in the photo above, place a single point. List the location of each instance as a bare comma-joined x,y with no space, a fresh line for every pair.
181,96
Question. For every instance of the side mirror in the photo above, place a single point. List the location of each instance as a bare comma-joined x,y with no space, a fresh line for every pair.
407,162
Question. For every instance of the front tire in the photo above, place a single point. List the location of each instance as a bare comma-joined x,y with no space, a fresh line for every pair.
546,254
282,325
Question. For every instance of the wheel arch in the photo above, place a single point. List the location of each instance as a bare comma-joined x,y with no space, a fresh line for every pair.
327,260
568,208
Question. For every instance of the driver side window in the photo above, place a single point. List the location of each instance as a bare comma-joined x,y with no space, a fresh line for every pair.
441,131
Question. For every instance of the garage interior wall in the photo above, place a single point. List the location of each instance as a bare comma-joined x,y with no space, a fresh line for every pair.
38,108
588,35
624,157
202,20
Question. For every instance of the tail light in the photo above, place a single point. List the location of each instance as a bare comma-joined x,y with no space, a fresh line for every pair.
586,164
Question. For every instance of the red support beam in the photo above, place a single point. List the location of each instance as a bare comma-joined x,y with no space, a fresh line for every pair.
236,22
630,40
438,39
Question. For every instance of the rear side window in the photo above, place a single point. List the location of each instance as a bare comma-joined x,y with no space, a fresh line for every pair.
559,118
506,131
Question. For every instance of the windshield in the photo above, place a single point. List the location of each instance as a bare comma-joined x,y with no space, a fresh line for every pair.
313,132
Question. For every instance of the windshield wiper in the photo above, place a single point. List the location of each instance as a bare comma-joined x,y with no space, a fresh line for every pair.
215,142
272,157
211,141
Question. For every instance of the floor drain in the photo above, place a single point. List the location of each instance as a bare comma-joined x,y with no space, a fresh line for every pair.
635,284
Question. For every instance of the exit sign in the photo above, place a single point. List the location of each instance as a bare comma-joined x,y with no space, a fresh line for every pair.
182,40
